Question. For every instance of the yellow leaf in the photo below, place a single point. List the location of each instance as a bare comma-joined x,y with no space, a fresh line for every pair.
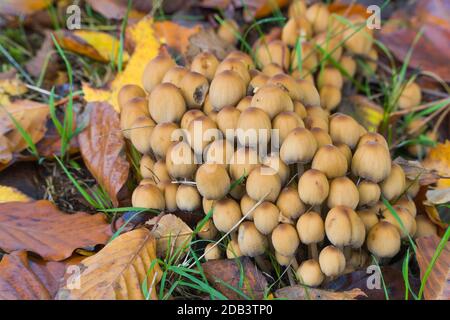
118,271
146,48
9,194
439,159
97,45
22,7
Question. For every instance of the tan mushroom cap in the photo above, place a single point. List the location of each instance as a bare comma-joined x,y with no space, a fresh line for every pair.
212,181
263,182
251,242
313,187
343,192
369,193
298,147
383,240
310,227
331,161
310,274
226,214
290,204
394,184
212,253
332,261
344,227
266,217
285,239
148,196
188,198
371,161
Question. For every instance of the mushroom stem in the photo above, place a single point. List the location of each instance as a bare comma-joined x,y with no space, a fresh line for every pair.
313,252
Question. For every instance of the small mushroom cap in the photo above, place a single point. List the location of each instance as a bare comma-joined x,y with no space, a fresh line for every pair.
140,132
283,260
212,253
251,242
317,111
322,137
227,119
272,99
257,82
331,46
348,64
202,131
128,92
285,239
344,129
368,217
194,87
247,203
311,97
310,274
313,187
207,205
383,240
312,122
227,89
298,147
155,70
359,42
180,161
208,231
212,181
146,167
188,198
243,161
374,137
310,228
160,172
408,204
425,227
266,217
174,75
330,97
318,15
288,83
220,152
227,31
206,64
330,76
273,161
253,128
309,58
166,103
290,204
346,151
263,182
343,192
273,52
331,161
169,190
295,28
148,196
394,185
233,250
371,161
133,109
162,138
226,215
300,109
244,57
297,9
369,193
244,103
408,221
189,116
344,227
285,122
332,261
236,65
410,96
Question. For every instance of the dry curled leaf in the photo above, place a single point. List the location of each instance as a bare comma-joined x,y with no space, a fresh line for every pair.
146,47
438,159
171,233
96,45
103,149
438,196
39,227
304,293
415,170
26,278
433,214
118,271
174,35
23,7
9,194
437,286
230,272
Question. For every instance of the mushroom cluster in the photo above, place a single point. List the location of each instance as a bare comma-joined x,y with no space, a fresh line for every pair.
260,152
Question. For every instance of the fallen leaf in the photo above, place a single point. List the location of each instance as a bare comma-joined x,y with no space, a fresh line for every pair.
103,149
437,286
207,40
8,194
96,45
256,9
24,176
438,159
32,116
368,113
118,271
169,229
433,214
348,9
415,170
39,227
43,58
214,4
359,279
174,35
230,271
26,278
303,293
23,7
431,52
438,196
146,48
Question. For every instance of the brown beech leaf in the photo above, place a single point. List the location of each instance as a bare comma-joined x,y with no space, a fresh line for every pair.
437,286
43,56
26,278
415,170
359,279
23,7
260,8
103,149
207,40
175,35
118,271
39,227
303,293
432,51
229,271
